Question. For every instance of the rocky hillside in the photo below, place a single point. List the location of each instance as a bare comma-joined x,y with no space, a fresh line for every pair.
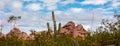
67,29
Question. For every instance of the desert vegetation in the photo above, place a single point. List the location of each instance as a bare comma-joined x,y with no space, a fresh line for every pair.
105,35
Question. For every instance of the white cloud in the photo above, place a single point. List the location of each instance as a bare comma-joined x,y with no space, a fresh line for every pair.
77,10
94,2
34,6
27,0
0,22
67,2
50,4
1,4
52,7
115,3
14,5
87,27
17,5
58,12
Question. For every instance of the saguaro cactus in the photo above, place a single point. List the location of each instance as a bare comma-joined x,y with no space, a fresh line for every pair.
49,29
54,24
55,27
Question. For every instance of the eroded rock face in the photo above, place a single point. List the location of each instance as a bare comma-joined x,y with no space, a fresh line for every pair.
31,37
69,26
1,35
24,36
76,31
15,32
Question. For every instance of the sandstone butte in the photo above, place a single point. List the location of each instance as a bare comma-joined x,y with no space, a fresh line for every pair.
69,28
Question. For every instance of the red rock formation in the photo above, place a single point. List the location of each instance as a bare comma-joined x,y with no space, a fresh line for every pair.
31,37
15,32
64,31
81,30
24,35
1,35
76,31
69,26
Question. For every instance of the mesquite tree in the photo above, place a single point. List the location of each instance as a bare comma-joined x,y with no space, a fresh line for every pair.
13,19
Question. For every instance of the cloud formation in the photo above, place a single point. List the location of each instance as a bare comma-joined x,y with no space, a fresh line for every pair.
95,2
115,3
17,4
36,13
34,6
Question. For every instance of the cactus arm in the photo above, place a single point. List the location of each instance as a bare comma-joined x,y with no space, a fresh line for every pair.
59,26
49,29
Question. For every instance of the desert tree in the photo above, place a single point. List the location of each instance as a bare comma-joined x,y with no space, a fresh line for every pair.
13,19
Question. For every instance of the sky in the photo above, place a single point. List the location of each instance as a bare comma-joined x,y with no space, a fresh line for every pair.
36,13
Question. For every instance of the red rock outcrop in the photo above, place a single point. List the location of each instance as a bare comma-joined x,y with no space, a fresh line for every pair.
31,37
1,35
15,32
76,31
24,36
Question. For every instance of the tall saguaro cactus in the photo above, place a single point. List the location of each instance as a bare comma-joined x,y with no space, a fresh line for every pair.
54,22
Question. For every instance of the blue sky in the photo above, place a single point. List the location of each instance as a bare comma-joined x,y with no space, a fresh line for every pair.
36,13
